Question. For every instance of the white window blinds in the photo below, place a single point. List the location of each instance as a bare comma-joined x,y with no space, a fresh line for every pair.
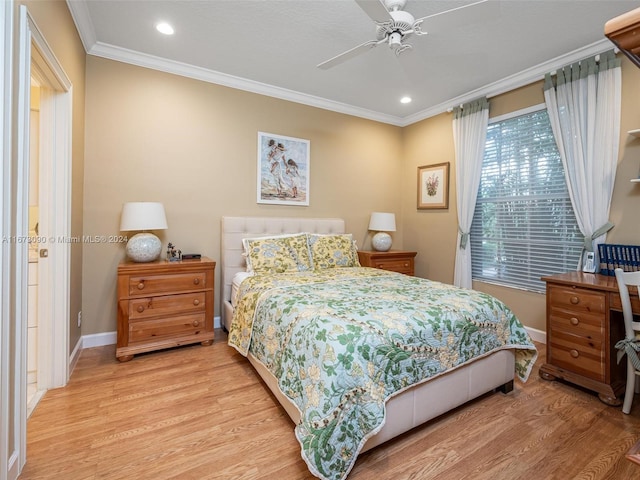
523,226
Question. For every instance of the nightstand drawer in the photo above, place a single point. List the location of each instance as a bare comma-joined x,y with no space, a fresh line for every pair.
164,328
167,305
400,266
154,284
394,260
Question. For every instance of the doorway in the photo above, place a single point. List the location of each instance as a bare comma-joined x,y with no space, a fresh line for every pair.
36,60
34,391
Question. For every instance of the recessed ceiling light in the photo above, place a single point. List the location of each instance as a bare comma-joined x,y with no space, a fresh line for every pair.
165,28
405,100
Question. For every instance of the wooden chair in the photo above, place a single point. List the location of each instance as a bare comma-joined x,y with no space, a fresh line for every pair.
630,345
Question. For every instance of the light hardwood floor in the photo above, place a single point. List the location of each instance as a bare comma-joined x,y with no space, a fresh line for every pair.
202,413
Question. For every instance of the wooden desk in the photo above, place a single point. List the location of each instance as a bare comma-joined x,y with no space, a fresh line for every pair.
584,322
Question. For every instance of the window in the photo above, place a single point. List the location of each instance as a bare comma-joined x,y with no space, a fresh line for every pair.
523,225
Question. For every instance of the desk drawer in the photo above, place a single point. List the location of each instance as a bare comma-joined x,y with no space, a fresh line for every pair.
577,354
580,323
576,299
616,303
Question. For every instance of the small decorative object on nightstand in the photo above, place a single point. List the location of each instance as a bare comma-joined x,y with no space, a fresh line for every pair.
164,304
173,255
381,223
393,260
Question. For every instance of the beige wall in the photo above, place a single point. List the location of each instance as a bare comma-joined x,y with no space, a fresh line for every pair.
54,21
433,232
192,145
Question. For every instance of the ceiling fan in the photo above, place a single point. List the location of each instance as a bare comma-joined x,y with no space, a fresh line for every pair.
394,25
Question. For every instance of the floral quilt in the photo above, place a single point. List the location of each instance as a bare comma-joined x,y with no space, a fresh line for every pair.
342,341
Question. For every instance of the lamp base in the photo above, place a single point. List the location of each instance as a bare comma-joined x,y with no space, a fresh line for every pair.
144,247
381,242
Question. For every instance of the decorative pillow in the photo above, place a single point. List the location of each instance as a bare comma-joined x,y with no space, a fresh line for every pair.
329,251
281,254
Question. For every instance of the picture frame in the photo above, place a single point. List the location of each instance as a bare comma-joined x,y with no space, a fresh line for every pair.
283,170
433,186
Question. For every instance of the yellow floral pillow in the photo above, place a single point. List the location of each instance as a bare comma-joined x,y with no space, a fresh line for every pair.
282,254
330,251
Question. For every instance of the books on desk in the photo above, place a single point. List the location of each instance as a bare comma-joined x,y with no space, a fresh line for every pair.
612,256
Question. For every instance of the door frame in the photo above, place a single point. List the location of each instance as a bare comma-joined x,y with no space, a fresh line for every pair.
56,93
9,448
35,57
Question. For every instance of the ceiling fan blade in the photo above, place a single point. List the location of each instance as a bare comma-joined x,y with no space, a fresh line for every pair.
376,10
480,11
363,47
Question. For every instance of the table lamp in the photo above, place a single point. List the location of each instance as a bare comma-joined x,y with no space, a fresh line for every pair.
144,246
382,223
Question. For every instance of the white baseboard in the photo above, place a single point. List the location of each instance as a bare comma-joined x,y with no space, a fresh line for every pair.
99,339
109,338
13,467
537,335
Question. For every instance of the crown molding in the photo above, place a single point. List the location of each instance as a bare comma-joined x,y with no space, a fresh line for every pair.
178,68
84,25
513,82
86,29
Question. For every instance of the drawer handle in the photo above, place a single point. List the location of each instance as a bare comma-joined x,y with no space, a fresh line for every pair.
195,323
574,353
574,321
574,300
196,281
140,285
140,309
196,302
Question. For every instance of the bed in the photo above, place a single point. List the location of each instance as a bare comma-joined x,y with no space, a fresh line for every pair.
329,447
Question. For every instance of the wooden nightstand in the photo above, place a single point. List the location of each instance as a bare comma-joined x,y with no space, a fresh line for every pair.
393,260
164,304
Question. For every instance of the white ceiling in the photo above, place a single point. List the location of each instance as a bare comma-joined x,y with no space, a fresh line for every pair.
272,47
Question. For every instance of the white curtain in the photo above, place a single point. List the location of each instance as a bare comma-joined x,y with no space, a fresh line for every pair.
584,109
470,124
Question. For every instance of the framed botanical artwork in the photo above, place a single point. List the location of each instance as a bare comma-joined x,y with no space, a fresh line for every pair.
433,186
283,170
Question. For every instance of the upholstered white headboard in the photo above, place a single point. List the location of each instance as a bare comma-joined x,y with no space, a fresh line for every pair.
234,229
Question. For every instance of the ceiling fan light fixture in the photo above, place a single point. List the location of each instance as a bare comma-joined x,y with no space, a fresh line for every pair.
395,40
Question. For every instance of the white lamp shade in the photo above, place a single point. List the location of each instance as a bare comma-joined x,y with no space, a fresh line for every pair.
143,216
382,222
